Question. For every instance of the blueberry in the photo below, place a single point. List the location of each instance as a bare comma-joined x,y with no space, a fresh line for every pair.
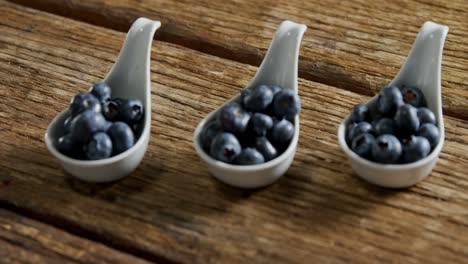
385,126
261,123
389,100
101,91
86,124
137,130
258,99
99,147
131,111
118,100
249,156
362,145
67,124
282,133
270,109
407,119
245,94
286,104
360,113
360,128
66,145
266,148
84,101
275,89
122,137
413,96
415,148
386,149
111,109
430,132
208,133
349,128
107,125
225,147
425,115
246,139
374,113
233,118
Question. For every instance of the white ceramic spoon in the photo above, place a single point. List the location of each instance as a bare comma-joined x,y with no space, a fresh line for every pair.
279,67
128,78
423,70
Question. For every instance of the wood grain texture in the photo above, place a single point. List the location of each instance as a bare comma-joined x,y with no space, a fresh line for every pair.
358,45
170,208
23,240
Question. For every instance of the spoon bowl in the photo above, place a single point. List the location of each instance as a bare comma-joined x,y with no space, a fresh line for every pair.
279,67
128,78
422,69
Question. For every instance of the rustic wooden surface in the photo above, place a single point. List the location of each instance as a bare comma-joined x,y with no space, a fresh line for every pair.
25,240
170,209
357,45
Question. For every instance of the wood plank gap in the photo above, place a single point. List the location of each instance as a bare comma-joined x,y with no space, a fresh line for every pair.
80,231
175,34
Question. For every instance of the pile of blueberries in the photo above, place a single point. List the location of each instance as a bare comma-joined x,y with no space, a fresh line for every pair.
397,128
100,126
254,129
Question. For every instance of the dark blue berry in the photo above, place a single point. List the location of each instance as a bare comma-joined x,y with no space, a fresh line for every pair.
131,111
208,133
233,118
415,148
270,109
86,124
118,100
374,113
84,101
266,148
107,126
349,128
425,115
430,132
286,104
261,123
389,100
137,130
413,96
225,147
67,124
245,94
360,113
111,110
362,145
258,99
66,145
385,126
99,147
122,137
386,149
275,89
407,119
249,156
101,91
358,129
282,133
246,138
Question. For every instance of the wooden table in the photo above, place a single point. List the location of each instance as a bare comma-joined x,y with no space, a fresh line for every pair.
170,209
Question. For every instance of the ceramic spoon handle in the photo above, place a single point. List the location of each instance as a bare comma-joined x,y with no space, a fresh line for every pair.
423,65
281,61
134,60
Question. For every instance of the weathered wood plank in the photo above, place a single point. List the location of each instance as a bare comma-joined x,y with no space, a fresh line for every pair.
357,45
23,240
170,208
